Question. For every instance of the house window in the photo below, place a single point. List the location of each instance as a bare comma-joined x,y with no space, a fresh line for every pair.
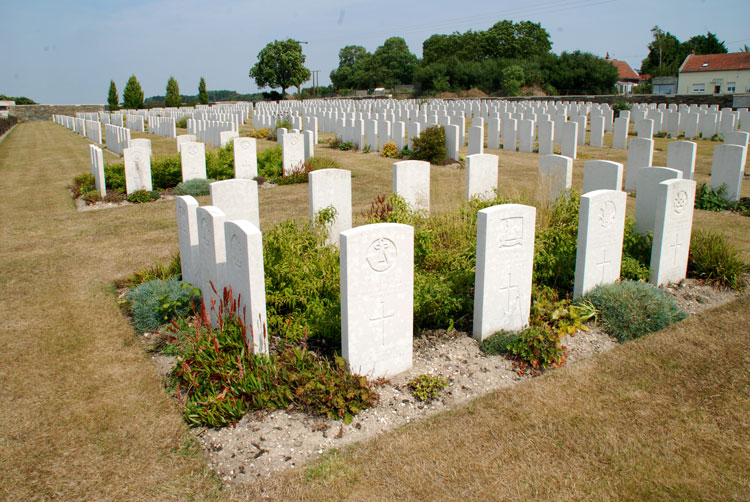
731,86
699,87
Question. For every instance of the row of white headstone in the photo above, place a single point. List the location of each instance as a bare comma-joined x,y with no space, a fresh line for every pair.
214,133
377,275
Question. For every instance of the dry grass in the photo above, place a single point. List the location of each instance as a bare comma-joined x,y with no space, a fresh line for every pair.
84,415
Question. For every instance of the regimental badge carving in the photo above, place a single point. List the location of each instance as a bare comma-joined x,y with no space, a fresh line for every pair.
607,214
293,139
381,254
235,248
680,202
245,145
510,232
137,158
192,150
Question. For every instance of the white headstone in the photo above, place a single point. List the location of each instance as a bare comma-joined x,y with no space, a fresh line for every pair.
601,227
646,195
377,298
476,140
546,134
493,134
212,255
411,180
640,155
597,131
193,159
245,275
620,134
740,138
245,158
332,188
510,134
555,176
451,141
674,225
237,198
137,169
644,128
681,156
293,153
504,267
97,168
481,175
184,138
309,141
727,169
569,139
187,231
601,175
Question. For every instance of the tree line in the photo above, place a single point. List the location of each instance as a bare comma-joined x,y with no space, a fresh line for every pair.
133,97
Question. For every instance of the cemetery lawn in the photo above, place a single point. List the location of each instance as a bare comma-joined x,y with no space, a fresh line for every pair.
85,415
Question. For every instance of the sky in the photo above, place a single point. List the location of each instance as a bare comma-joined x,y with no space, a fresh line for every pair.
66,52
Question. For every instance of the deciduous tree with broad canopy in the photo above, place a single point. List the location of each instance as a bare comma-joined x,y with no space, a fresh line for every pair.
280,64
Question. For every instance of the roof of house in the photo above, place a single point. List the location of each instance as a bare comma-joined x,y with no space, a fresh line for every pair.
625,71
716,62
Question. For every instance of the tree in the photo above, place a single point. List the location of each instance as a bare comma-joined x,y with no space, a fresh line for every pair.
391,64
132,96
582,73
280,64
113,100
352,62
667,53
704,44
202,92
509,40
172,98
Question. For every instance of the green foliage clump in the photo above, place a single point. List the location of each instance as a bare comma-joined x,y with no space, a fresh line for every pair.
713,259
202,92
112,99
537,346
621,105
166,172
711,199
390,150
430,145
555,244
181,123
346,145
270,163
218,379
629,310
172,97
262,133
132,96
142,196
114,176
194,187
220,164
636,253
302,283
83,184
427,387
156,302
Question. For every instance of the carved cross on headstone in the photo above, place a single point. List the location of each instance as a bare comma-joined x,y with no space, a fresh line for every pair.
676,247
511,292
381,318
604,264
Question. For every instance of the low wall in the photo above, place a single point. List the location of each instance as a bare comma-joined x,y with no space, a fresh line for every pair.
724,101
37,113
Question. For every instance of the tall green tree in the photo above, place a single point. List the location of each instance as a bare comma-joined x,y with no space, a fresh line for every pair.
280,64
112,99
172,98
352,63
666,53
391,64
704,44
132,96
509,40
202,92
582,73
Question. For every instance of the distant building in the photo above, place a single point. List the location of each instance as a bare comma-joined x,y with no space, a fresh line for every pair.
664,85
715,74
628,78
4,107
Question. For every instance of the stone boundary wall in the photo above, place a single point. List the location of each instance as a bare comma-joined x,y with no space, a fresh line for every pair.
40,113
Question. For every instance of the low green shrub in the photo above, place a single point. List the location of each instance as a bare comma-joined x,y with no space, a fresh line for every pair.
555,244
430,145
114,177
708,198
347,145
537,346
83,183
427,387
636,253
181,123
155,302
91,197
194,187
262,133
220,164
166,172
218,379
323,163
628,310
713,259
302,283
142,196
270,163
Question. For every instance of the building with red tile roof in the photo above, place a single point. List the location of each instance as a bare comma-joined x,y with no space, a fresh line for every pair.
715,74
629,78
